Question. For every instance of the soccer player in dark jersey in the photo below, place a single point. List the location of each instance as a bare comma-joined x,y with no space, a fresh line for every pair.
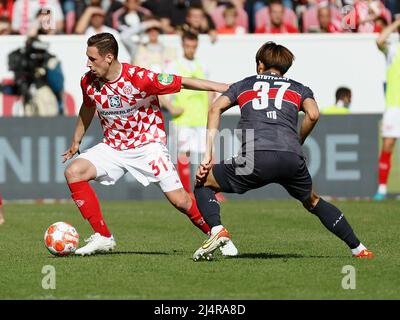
270,151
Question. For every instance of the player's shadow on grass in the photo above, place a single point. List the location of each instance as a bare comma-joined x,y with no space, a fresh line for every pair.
269,255
134,252
116,253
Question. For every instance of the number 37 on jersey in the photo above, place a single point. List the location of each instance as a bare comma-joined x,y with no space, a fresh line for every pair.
265,92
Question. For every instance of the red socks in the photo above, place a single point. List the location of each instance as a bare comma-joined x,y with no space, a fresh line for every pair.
86,200
384,167
193,213
184,172
197,219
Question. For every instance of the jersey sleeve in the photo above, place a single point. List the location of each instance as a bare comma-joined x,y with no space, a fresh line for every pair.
306,93
153,83
86,99
232,93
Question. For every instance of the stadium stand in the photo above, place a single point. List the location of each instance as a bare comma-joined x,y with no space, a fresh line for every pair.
301,14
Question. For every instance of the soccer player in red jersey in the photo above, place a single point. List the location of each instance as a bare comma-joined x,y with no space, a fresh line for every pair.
271,148
125,98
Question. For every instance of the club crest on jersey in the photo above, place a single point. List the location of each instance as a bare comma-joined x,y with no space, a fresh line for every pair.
165,79
127,90
114,101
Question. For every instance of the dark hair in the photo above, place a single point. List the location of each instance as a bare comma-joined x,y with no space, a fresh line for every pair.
383,20
276,56
229,7
105,43
4,19
189,35
342,92
280,2
45,11
196,7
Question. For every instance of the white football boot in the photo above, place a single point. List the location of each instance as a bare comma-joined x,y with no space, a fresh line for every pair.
215,241
229,249
96,243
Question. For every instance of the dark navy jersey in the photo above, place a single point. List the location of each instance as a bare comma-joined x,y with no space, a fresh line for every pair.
269,105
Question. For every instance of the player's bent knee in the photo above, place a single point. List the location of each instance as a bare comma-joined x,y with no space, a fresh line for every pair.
388,144
311,202
74,173
181,200
212,183
183,204
80,170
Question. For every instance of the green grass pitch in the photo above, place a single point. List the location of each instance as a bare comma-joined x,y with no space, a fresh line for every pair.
285,254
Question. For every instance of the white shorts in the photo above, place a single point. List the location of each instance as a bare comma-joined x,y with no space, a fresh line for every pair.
190,139
149,163
391,123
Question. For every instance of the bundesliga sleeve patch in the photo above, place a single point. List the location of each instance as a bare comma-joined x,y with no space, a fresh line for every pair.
165,79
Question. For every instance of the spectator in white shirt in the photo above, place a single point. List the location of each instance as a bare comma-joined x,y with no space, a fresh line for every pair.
25,13
93,21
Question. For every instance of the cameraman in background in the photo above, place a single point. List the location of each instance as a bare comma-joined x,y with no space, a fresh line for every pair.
38,79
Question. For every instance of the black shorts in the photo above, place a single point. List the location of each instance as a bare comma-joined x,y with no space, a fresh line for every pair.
240,174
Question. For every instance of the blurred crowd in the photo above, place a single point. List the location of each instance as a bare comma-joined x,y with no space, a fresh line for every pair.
137,24
213,17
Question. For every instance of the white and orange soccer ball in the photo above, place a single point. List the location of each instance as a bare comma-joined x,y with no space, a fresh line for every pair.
61,239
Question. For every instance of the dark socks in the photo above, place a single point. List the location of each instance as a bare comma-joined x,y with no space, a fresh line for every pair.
208,205
333,219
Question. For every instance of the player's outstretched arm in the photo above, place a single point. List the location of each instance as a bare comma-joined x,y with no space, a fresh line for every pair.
385,34
84,119
203,85
311,117
220,105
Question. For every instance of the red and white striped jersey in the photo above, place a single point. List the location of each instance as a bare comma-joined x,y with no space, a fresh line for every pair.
128,107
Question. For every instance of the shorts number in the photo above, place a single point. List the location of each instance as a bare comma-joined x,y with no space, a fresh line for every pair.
155,167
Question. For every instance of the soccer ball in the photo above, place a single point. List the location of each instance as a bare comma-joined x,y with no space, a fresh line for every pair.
61,239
